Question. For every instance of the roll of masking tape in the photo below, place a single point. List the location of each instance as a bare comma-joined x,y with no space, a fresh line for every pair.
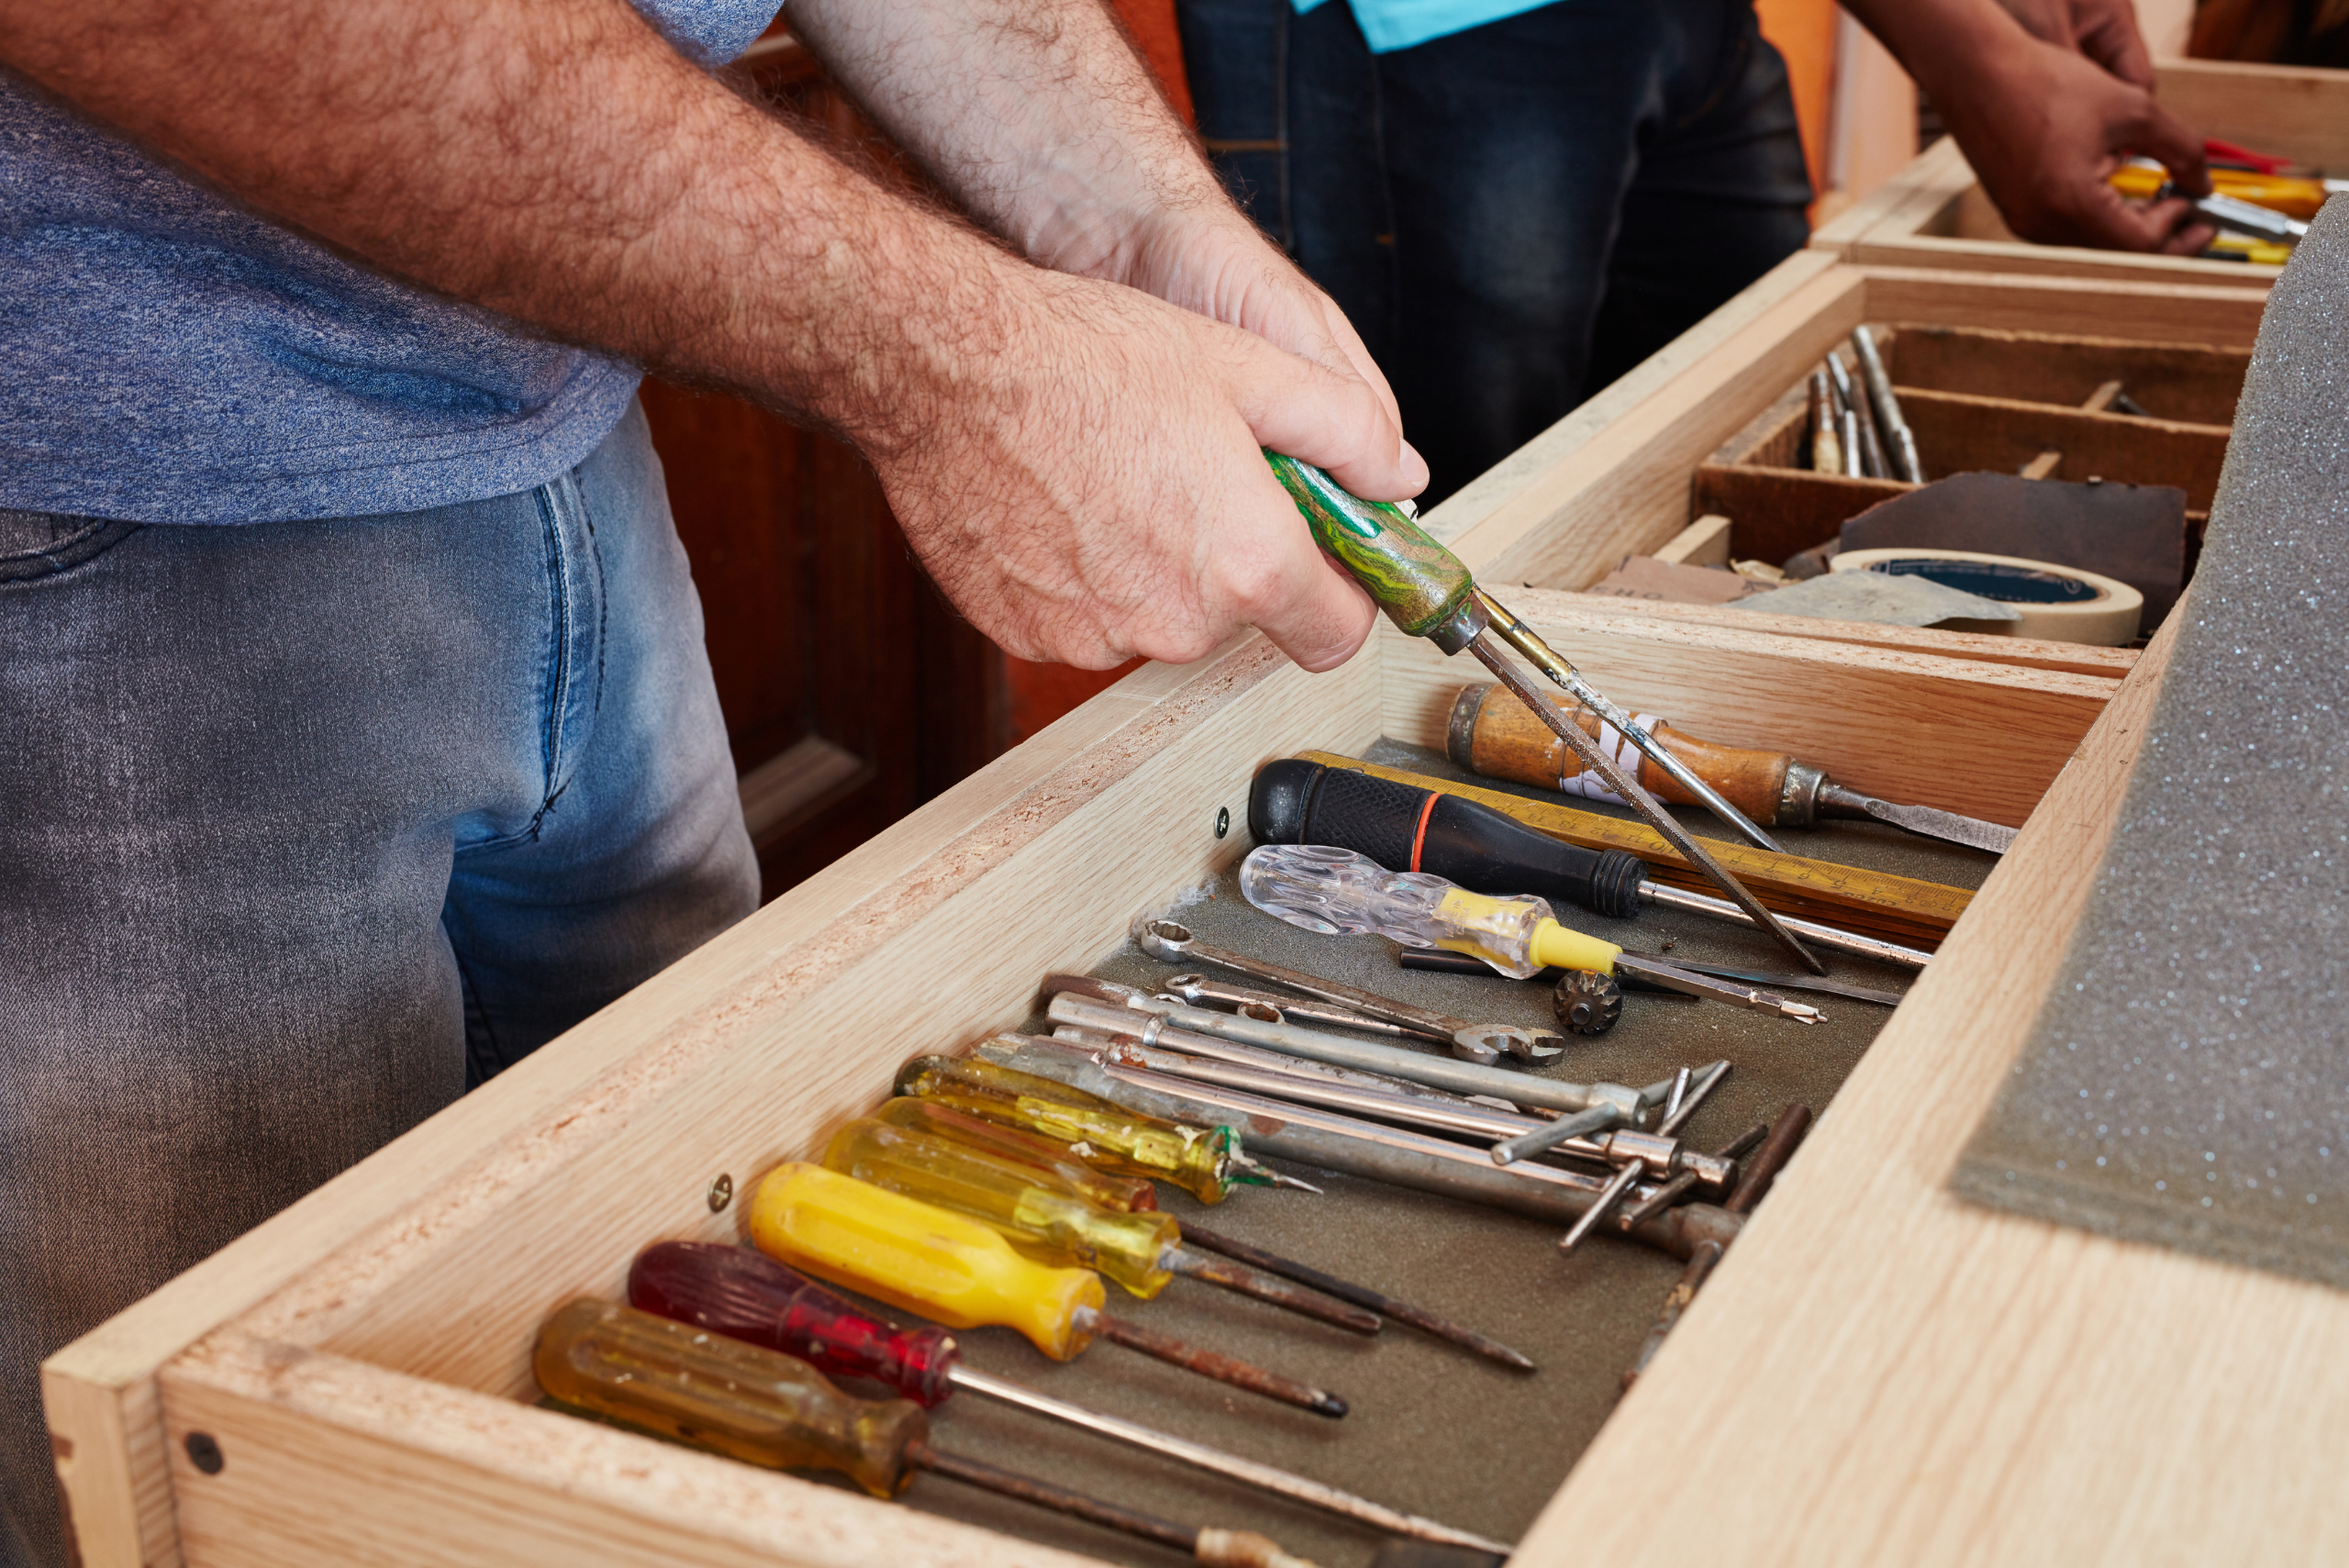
2057,604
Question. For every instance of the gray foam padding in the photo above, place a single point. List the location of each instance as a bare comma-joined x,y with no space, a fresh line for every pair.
2187,1081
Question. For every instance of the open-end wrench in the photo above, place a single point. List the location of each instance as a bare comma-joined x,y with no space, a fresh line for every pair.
1171,941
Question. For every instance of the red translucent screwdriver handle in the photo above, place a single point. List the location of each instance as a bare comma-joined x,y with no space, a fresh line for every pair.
749,1296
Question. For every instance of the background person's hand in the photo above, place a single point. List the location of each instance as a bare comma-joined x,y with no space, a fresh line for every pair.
2104,31
2043,126
2043,123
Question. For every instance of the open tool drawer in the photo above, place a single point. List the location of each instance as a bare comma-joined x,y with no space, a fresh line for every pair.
1980,400
1934,214
359,1364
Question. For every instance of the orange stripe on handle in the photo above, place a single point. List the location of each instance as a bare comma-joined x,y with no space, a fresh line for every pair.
1419,835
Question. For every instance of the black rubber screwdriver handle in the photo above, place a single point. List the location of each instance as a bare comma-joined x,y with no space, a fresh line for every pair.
1404,828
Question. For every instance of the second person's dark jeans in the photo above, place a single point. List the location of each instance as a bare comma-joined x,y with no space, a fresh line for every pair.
1513,215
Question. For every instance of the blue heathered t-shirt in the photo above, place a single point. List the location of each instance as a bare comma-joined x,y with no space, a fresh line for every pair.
171,358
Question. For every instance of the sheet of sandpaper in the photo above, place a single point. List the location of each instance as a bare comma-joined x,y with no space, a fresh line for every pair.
1673,581
2131,533
2187,1081
1880,598
1433,1428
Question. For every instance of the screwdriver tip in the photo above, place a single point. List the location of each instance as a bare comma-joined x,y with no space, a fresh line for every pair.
1329,1405
1259,1174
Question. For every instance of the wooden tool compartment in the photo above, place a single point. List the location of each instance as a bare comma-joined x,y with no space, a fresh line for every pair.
1934,212
360,1362
1987,399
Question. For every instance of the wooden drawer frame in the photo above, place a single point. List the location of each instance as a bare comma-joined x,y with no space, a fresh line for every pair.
1933,213
1877,1372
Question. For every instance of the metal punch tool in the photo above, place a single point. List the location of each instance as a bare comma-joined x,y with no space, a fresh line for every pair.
1170,941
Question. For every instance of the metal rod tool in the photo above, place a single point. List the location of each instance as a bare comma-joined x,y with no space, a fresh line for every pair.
1171,1055
1170,941
1900,444
1359,1148
1426,592
1088,1010
1361,1296
1672,977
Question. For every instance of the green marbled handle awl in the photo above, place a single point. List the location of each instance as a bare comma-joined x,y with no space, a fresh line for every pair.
1420,585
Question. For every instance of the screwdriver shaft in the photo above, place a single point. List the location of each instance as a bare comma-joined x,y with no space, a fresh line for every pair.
1211,1364
1284,1294
1547,660
1640,801
1361,1296
1825,936
1264,1477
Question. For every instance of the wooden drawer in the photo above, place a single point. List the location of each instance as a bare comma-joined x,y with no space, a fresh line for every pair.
1876,1373
1933,214
1985,400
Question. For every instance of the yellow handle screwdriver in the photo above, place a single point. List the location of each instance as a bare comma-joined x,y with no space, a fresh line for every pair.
1051,1221
722,1396
1102,1189
1205,1161
955,1271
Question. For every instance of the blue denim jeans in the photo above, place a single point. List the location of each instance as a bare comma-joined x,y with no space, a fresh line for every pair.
304,828
1513,215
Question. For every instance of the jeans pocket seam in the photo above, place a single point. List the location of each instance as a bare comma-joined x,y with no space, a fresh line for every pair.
60,556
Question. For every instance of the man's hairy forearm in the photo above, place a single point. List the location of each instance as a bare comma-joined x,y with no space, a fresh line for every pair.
556,160
1036,114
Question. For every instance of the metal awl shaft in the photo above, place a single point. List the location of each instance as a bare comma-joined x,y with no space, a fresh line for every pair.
1547,660
1361,1296
1210,1364
1285,1294
1263,1476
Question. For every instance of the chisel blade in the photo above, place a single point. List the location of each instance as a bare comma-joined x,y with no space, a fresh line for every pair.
1932,822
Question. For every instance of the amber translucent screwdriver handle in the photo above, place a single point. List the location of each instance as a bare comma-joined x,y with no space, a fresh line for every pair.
719,1393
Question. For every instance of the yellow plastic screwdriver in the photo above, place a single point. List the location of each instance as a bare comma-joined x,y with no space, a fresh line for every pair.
1206,1162
1052,1222
1102,1189
956,1271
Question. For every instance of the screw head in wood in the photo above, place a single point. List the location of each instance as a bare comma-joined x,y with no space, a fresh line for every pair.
204,1453
1222,820
721,1192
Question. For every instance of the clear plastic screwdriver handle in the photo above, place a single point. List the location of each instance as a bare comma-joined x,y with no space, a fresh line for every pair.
1338,892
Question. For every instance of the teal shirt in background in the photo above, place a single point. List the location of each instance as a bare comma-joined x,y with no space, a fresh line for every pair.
1390,24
